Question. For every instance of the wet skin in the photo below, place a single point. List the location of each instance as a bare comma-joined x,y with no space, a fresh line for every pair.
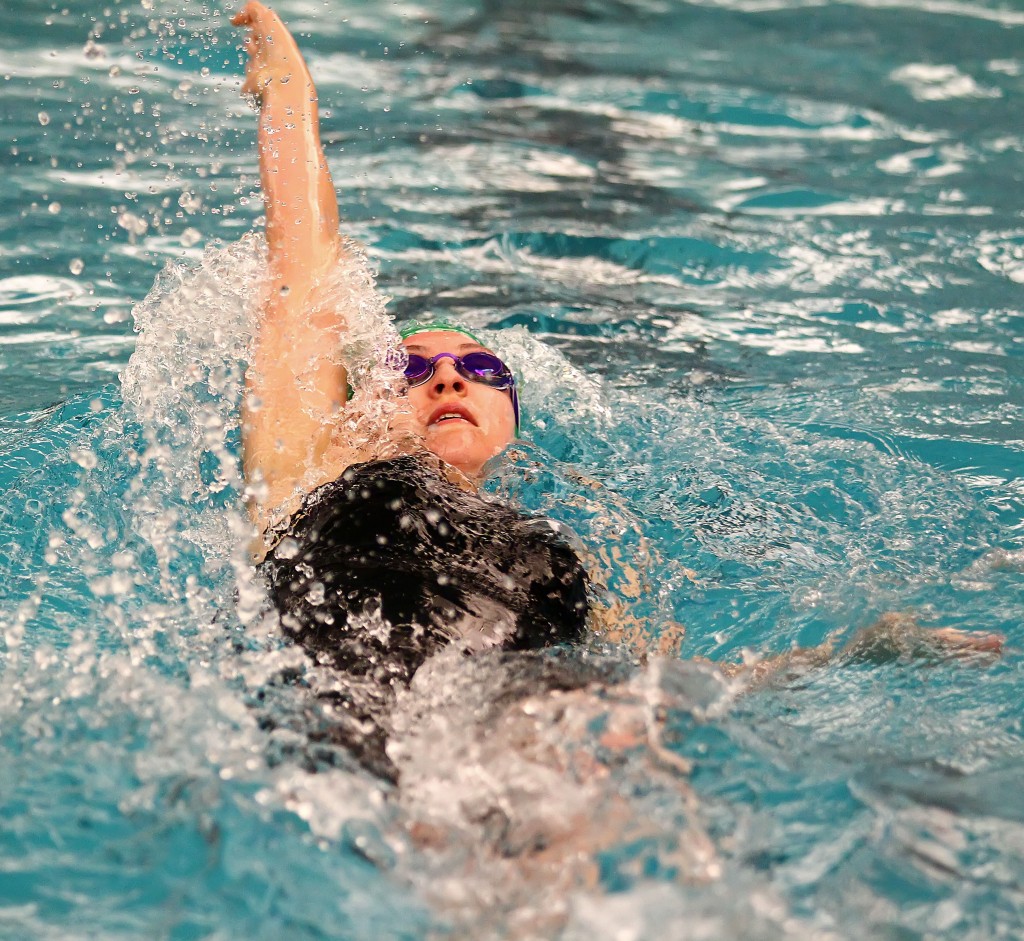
463,422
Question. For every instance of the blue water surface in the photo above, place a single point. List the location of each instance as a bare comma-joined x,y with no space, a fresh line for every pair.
760,265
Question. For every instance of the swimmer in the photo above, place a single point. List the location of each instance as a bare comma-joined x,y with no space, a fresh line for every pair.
379,550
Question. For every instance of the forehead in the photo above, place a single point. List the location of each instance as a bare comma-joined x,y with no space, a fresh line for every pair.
440,341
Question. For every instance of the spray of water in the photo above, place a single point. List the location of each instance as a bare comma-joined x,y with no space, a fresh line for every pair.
510,816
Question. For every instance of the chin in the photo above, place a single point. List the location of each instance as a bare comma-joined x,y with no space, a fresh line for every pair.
469,464
469,456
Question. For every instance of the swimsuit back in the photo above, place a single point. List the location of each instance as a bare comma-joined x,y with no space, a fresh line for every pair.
391,562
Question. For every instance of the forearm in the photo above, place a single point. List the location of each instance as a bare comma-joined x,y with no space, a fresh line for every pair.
894,636
298,192
898,636
776,667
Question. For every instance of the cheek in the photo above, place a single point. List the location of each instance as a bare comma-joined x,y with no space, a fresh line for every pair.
501,423
419,403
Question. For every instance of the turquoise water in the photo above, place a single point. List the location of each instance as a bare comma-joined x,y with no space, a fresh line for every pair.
764,261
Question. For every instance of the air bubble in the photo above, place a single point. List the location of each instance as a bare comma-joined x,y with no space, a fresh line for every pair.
53,208
76,266
44,118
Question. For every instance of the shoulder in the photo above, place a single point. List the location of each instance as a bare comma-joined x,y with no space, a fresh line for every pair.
416,475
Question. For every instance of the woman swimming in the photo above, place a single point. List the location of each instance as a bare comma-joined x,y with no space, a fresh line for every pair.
379,549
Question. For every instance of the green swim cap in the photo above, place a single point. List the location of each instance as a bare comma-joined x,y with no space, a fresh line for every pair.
430,326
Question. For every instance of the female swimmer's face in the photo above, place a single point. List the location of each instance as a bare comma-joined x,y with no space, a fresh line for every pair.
464,423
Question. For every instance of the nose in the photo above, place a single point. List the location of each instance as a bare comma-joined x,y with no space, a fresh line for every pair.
446,377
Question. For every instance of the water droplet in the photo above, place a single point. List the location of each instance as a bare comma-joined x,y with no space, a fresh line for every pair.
76,266
44,118
190,202
316,594
123,559
120,583
287,548
84,458
53,208
132,223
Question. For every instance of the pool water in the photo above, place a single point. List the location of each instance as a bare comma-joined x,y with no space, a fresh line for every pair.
760,265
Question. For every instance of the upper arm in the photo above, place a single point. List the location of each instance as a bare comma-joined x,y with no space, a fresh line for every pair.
296,382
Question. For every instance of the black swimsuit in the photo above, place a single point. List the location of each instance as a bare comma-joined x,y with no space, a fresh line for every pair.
391,562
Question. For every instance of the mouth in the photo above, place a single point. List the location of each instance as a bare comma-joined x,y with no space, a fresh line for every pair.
450,415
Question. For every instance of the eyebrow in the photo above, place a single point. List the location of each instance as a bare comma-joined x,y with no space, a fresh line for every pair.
415,347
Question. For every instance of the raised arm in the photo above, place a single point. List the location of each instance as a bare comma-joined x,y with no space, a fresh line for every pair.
295,384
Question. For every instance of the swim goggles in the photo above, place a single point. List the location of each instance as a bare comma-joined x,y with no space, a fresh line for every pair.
477,366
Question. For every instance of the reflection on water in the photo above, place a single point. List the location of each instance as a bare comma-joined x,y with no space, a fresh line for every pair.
761,262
